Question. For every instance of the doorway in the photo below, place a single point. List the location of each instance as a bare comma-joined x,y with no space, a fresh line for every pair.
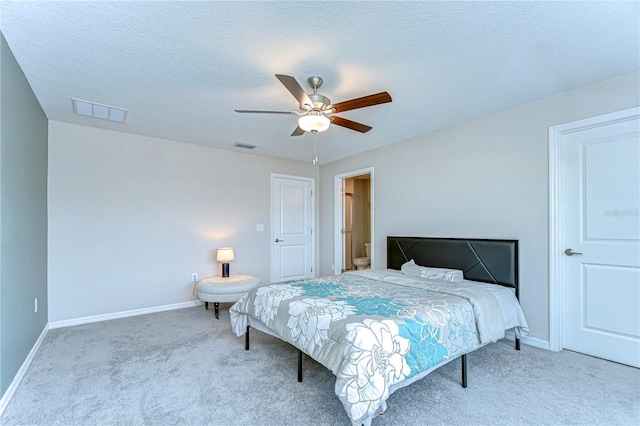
354,220
595,236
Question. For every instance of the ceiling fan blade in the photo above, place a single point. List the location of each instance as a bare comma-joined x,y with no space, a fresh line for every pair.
296,90
297,132
365,101
358,127
252,111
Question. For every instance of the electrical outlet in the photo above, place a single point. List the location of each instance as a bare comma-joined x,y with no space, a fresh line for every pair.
194,276
35,305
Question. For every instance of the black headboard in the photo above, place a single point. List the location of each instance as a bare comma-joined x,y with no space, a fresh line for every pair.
492,261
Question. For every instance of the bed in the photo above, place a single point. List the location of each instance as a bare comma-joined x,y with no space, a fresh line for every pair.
380,330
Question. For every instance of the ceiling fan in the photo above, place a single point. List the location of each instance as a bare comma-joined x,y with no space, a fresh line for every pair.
316,111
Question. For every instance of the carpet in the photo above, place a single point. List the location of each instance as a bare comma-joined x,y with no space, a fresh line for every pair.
184,367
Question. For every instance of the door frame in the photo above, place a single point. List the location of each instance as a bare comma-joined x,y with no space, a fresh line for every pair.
556,134
313,219
338,249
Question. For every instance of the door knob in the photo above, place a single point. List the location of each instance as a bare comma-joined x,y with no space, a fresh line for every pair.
570,252
278,240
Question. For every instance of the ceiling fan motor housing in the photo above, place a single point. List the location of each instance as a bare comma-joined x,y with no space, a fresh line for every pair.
319,102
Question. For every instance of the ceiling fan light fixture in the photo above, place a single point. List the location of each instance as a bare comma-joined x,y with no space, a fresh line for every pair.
314,122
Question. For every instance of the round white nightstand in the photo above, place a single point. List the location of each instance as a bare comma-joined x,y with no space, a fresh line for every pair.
225,289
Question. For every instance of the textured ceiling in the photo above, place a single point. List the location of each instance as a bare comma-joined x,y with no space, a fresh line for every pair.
181,68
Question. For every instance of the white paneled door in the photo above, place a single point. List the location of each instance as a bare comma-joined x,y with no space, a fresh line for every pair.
292,228
600,239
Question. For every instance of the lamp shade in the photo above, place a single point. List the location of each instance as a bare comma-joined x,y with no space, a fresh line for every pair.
225,254
313,122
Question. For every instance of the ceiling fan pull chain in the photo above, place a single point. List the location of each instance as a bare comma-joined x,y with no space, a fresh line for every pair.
315,147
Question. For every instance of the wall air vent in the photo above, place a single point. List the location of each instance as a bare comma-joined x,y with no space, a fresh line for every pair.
105,112
244,145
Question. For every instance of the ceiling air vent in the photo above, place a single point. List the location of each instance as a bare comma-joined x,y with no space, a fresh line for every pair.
96,110
244,145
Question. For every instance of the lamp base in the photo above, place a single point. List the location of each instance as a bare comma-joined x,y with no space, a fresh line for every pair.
225,270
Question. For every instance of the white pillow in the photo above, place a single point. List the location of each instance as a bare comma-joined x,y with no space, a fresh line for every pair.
410,268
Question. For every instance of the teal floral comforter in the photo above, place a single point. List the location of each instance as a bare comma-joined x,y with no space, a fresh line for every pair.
373,329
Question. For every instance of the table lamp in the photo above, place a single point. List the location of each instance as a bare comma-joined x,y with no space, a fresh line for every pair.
225,255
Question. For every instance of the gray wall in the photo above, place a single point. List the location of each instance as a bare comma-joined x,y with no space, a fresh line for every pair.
23,217
487,178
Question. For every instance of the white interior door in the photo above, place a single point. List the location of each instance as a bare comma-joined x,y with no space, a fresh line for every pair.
600,240
292,228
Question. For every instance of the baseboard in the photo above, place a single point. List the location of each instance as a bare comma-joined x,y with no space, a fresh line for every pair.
531,341
123,314
4,401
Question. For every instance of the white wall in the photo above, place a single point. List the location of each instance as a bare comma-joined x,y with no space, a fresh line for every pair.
130,217
483,179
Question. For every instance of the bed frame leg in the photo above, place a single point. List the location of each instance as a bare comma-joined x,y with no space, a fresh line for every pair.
464,371
299,365
246,340
517,344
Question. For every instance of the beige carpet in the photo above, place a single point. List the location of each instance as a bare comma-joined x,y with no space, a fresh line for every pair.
184,367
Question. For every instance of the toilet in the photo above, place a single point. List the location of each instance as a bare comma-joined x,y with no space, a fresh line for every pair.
363,262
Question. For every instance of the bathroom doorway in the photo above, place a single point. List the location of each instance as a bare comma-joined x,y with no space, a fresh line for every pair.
354,221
